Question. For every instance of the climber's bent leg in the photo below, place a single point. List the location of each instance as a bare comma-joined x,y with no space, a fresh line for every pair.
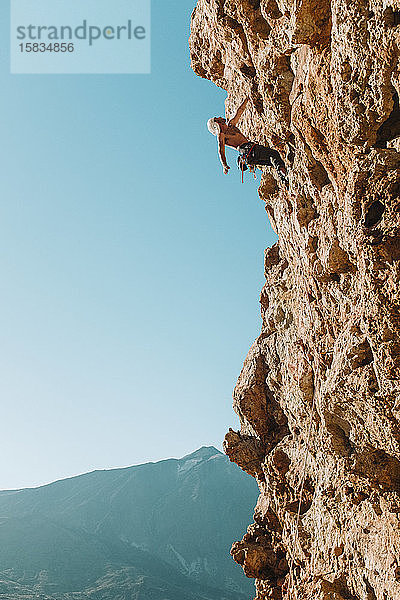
261,156
269,157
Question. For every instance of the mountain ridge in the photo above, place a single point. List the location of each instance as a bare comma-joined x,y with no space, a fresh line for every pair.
126,523
163,460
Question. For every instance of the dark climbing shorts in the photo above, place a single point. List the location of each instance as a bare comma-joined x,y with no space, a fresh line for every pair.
258,155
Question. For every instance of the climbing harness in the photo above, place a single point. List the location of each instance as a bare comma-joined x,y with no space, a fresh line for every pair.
243,162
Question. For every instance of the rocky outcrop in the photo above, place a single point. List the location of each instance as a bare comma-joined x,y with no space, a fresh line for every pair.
319,395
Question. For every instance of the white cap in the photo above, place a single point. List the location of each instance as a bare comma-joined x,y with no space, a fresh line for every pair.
213,126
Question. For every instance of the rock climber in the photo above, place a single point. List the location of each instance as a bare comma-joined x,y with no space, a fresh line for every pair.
251,153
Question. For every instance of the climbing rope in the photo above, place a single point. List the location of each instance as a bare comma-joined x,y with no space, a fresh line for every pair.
389,556
292,595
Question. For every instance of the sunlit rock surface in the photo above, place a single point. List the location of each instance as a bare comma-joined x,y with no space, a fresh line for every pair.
318,396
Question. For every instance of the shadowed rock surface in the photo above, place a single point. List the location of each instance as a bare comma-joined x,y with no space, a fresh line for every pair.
318,396
158,531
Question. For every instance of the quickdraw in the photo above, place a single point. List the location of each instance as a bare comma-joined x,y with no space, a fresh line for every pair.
244,163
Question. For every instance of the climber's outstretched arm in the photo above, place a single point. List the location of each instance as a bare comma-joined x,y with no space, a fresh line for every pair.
221,152
239,113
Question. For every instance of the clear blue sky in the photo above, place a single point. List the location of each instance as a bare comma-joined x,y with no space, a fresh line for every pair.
130,266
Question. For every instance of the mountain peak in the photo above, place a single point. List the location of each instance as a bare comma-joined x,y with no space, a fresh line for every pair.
203,453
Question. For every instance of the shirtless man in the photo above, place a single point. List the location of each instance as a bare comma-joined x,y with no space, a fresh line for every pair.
229,135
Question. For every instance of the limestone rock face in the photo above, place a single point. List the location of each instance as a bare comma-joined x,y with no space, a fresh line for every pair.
319,393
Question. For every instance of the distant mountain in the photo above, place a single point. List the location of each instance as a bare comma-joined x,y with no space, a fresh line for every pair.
158,531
